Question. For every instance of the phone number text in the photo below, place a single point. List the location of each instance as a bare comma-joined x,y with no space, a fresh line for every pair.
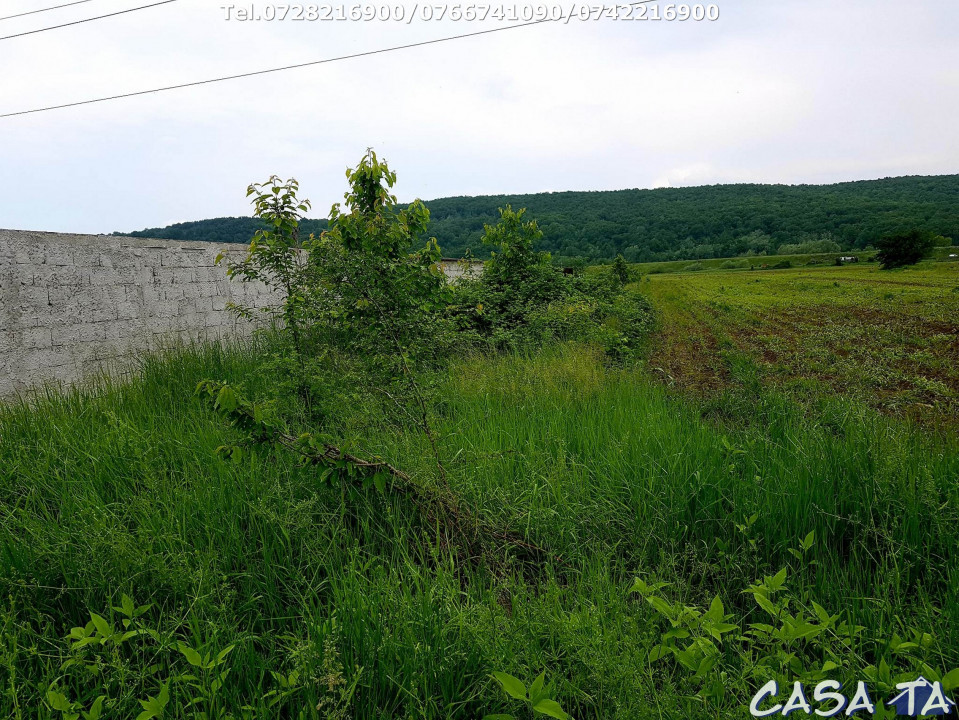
385,12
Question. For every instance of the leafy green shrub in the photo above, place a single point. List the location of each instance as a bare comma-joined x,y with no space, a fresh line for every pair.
618,322
620,270
825,244
694,267
799,641
119,657
537,698
521,300
734,265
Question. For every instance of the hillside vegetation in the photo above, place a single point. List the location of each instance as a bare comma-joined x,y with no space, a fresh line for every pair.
674,223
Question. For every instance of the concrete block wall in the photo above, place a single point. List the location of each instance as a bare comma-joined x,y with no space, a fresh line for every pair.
74,305
455,269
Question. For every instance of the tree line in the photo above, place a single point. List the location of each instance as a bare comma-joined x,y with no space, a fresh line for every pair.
673,223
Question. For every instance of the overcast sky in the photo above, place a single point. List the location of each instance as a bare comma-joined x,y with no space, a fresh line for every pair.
785,91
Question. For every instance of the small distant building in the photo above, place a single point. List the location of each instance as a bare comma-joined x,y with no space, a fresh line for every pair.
848,259
455,268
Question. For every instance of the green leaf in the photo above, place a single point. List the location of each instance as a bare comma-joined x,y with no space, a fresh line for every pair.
765,604
498,716
808,540
58,701
221,656
103,627
777,581
885,672
716,611
905,647
153,707
191,655
127,606
536,689
657,652
821,612
513,687
950,680
706,664
96,710
551,708
662,606
226,399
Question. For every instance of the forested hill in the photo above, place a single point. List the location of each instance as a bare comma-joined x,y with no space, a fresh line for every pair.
219,230
676,223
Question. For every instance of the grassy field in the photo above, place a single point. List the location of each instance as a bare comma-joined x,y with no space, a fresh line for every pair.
341,603
889,339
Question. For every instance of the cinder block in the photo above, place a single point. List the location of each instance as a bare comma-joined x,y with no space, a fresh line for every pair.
35,338
101,313
165,275
33,297
28,255
105,276
86,256
31,361
208,289
165,309
127,310
58,256
173,292
57,275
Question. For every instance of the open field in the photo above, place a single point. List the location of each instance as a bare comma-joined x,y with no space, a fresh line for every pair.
889,339
756,262
122,492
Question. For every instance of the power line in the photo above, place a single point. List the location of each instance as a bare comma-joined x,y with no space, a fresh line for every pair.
34,12
285,67
86,20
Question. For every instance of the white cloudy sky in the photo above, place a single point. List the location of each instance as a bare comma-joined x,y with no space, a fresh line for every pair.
776,91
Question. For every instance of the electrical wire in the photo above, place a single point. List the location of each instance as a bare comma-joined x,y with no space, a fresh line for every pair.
34,12
86,20
311,63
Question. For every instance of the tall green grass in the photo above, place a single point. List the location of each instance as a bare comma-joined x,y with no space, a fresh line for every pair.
119,491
